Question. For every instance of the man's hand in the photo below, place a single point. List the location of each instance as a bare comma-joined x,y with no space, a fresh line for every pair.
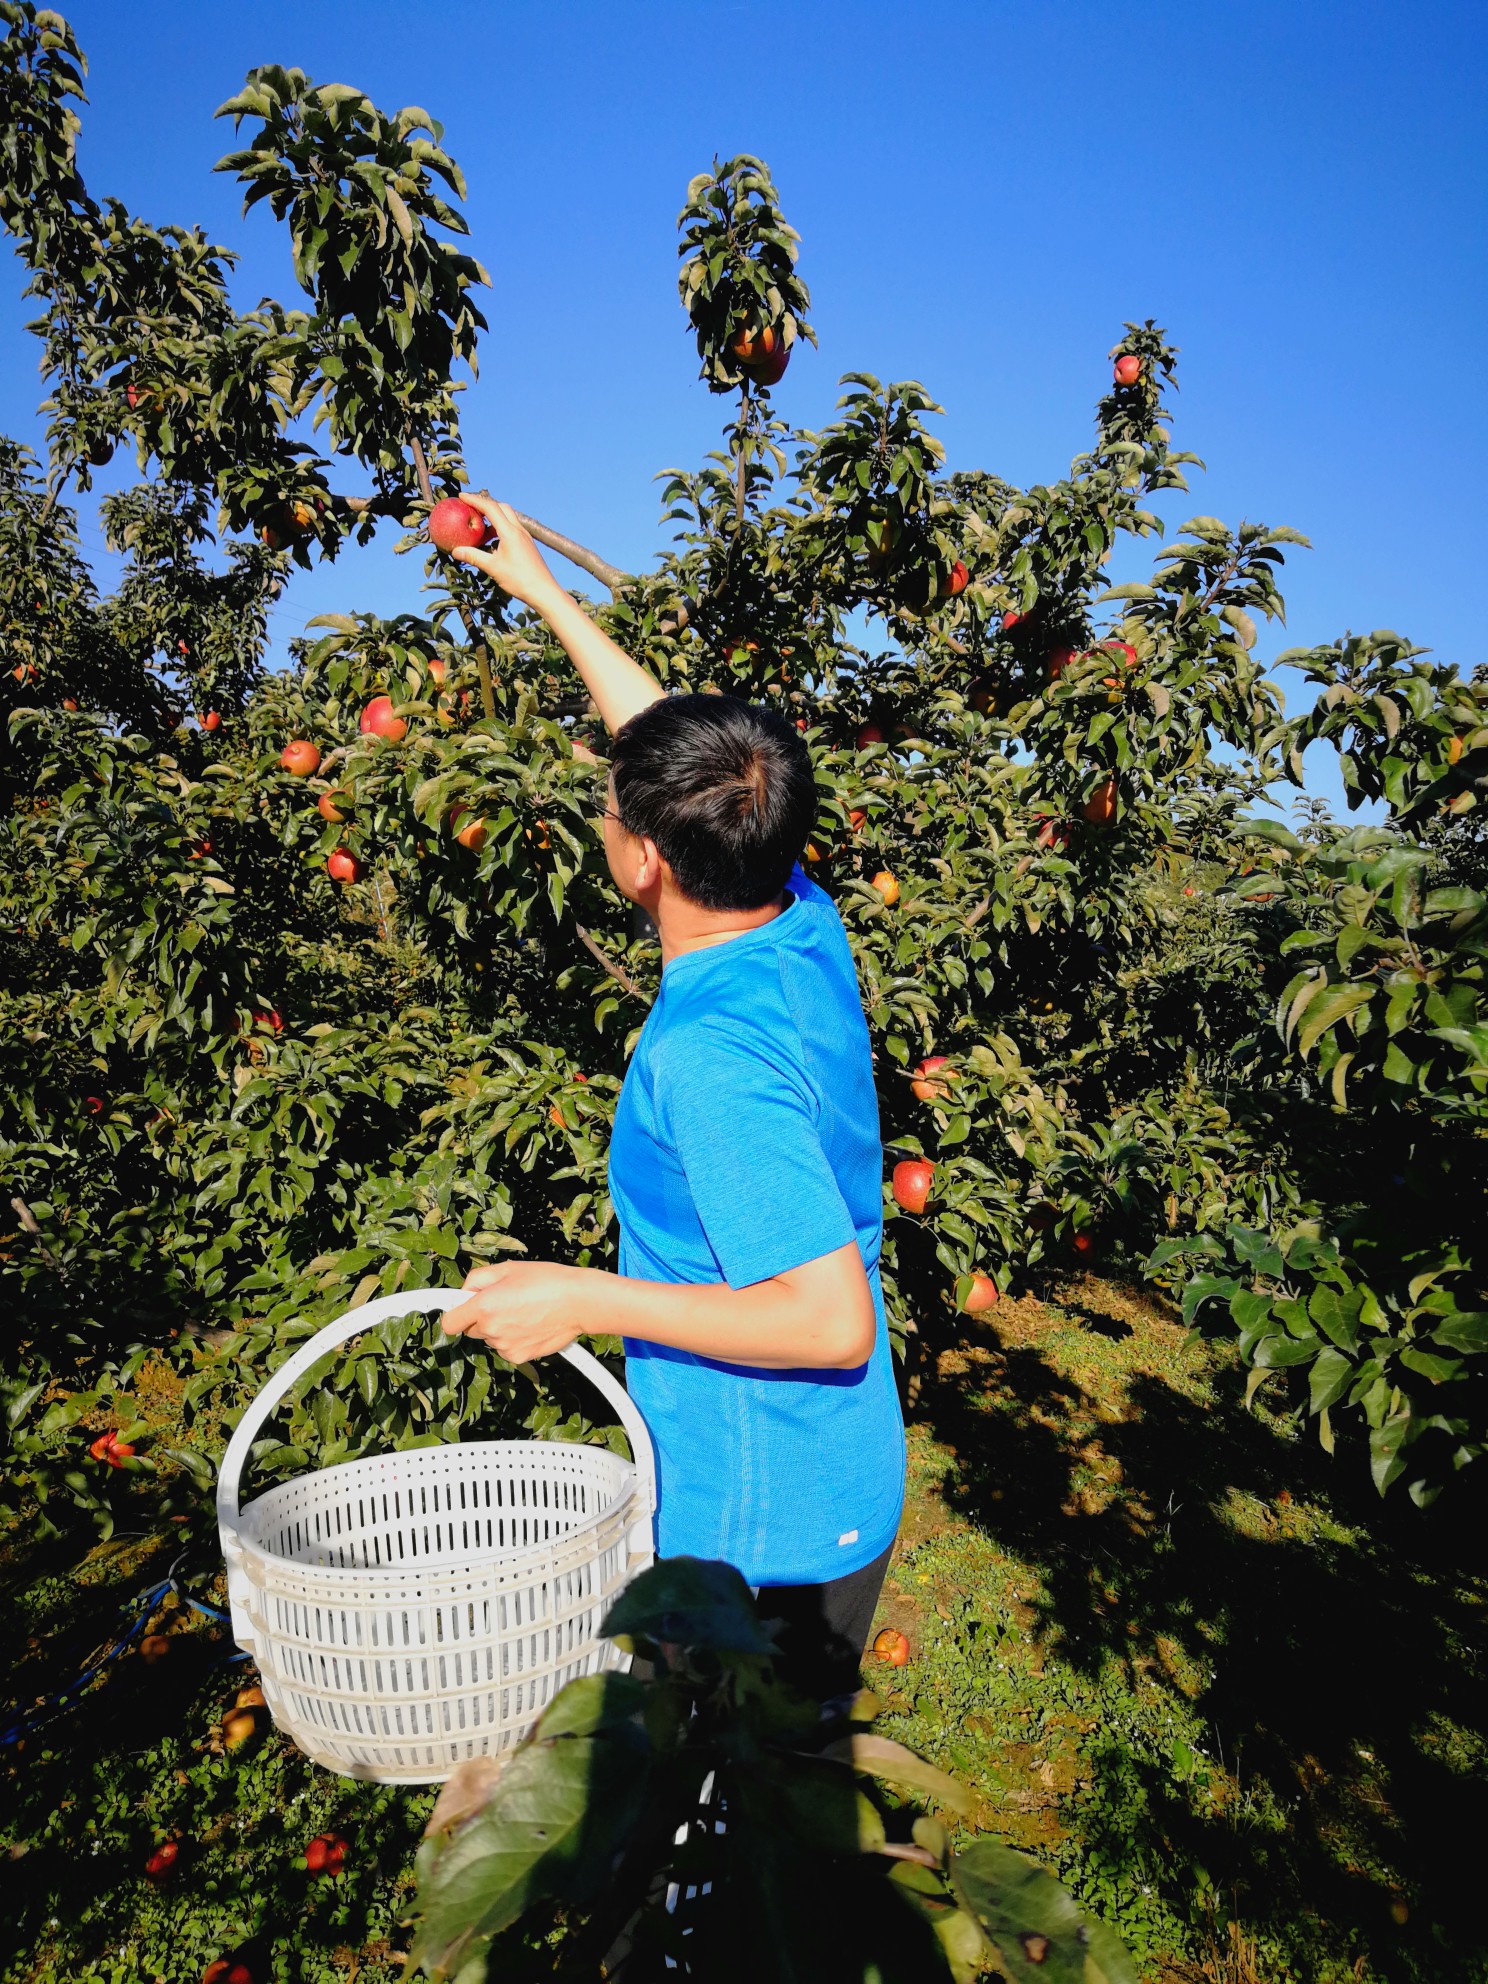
618,685
524,1309
514,561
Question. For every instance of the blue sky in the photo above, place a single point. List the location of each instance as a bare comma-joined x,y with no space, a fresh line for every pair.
985,193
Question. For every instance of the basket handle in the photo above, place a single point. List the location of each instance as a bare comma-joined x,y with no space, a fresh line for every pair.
429,1301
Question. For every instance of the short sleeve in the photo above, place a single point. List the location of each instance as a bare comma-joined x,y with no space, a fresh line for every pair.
744,1127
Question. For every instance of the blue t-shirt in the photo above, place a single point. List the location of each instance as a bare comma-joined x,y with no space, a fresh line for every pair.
746,1142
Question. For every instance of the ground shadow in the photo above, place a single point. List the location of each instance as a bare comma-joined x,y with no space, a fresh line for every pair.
1341,1660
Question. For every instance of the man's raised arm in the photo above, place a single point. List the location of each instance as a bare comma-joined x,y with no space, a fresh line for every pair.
618,685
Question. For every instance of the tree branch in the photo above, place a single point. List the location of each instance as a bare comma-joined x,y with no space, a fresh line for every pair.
610,576
27,1218
616,971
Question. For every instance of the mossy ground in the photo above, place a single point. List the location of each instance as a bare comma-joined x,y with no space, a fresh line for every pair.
1180,1654
1202,1670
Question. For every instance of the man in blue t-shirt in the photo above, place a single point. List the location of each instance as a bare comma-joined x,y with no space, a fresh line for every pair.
745,1166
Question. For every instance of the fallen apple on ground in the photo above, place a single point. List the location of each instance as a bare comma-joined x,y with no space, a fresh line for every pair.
326,1853
892,1646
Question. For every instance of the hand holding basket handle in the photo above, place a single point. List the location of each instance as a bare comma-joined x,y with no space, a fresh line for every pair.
419,1606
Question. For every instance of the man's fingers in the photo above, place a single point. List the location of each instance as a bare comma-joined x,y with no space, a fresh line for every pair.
483,561
485,1276
487,505
464,1317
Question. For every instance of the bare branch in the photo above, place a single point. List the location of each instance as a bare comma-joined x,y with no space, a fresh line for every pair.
27,1218
616,971
610,576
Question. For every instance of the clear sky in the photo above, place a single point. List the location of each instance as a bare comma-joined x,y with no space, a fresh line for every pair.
985,192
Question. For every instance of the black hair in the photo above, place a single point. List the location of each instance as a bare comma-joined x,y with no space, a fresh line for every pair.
724,788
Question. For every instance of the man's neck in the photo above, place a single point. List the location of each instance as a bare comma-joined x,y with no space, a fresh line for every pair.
684,926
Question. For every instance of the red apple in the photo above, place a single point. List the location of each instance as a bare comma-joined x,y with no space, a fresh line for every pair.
227,1970
1054,833
1100,808
1011,620
250,1697
926,1089
892,1646
162,1859
300,757
325,1853
453,523
1128,369
1059,661
343,866
888,887
857,819
1125,649
94,1104
1084,1245
154,1647
957,582
211,720
333,806
200,851
912,1181
379,719
436,672
754,342
982,1295
69,703
869,733
772,370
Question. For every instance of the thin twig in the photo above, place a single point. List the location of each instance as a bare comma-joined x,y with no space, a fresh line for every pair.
27,1218
616,971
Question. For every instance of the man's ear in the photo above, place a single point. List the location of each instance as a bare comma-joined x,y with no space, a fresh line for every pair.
651,867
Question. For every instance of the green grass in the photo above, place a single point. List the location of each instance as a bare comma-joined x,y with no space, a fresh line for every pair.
1183,1657
1177,1653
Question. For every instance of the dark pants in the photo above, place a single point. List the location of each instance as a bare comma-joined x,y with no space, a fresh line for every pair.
824,1627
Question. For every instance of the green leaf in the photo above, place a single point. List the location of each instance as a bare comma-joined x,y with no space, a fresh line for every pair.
1337,1004
1467,1332
559,1813
1329,1378
878,1757
691,1601
1337,1315
1037,1929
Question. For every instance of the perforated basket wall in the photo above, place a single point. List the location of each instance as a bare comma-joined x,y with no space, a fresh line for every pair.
416,1609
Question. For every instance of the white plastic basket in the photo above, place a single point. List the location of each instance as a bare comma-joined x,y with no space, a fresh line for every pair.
418,1608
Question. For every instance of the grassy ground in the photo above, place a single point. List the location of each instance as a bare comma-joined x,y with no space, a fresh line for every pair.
1177,1653
1233,1698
